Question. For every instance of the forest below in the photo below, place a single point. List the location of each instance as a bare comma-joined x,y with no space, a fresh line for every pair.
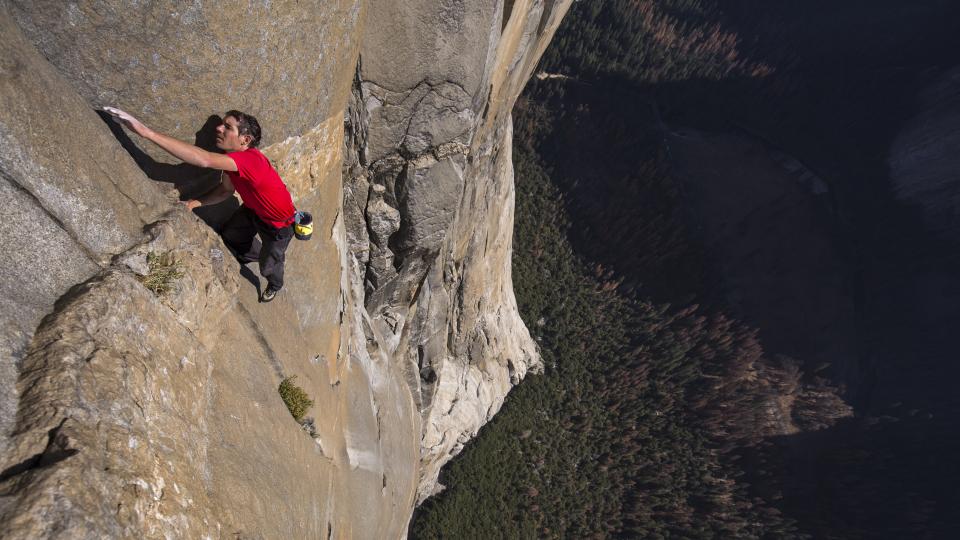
673,404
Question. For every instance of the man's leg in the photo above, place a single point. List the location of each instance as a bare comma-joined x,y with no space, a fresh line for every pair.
239,233
273,254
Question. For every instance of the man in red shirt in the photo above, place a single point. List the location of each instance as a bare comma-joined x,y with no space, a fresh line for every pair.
267,209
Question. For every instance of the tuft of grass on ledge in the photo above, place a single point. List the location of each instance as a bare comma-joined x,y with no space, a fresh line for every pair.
295,398
164,271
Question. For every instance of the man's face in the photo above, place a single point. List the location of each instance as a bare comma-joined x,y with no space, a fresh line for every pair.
229,138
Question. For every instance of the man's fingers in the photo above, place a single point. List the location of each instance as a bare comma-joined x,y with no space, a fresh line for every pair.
117,113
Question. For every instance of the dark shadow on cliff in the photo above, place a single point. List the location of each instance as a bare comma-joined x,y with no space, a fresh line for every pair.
189,180
57,450
875,477
250,276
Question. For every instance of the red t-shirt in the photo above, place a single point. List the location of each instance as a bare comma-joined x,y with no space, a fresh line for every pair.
261,188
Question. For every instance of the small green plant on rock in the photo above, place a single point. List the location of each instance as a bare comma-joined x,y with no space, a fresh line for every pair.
163,271
295,398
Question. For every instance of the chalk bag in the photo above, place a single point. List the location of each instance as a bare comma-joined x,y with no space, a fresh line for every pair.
303,225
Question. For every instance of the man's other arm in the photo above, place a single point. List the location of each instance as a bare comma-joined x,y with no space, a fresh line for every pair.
222,192
179,149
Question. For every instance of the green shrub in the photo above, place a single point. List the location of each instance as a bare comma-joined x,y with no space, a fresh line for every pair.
164,270
295,398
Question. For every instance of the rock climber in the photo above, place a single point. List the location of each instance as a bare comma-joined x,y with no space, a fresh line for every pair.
267,208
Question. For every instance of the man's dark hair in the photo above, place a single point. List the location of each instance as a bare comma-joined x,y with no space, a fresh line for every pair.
246,125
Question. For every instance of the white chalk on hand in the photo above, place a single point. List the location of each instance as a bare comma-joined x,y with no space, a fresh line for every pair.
118,114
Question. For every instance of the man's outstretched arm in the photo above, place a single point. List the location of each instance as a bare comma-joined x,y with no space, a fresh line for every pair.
179,149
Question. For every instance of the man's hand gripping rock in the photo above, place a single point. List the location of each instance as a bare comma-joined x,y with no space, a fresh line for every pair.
138,127
128,120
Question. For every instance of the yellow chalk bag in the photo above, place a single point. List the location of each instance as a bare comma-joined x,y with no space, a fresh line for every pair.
303,225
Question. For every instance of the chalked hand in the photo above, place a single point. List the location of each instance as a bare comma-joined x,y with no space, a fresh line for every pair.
126,119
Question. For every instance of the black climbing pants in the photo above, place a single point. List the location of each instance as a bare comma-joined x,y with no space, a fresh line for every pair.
240,235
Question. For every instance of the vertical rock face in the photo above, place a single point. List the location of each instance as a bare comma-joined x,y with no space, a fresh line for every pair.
177,62
125,413
73,197
923,160
430,203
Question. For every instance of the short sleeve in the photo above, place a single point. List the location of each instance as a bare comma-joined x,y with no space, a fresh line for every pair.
245,163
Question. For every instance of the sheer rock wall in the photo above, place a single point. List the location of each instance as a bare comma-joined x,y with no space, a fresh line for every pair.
429,171
124,413
922,159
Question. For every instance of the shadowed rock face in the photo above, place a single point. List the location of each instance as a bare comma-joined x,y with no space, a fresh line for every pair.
923,158
125,413
776,262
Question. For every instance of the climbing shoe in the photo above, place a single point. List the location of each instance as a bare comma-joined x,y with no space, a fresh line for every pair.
269,294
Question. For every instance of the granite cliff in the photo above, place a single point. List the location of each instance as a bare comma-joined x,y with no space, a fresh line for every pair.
921,157
128,414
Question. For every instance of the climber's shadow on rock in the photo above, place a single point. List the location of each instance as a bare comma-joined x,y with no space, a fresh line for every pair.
191,181
248,274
